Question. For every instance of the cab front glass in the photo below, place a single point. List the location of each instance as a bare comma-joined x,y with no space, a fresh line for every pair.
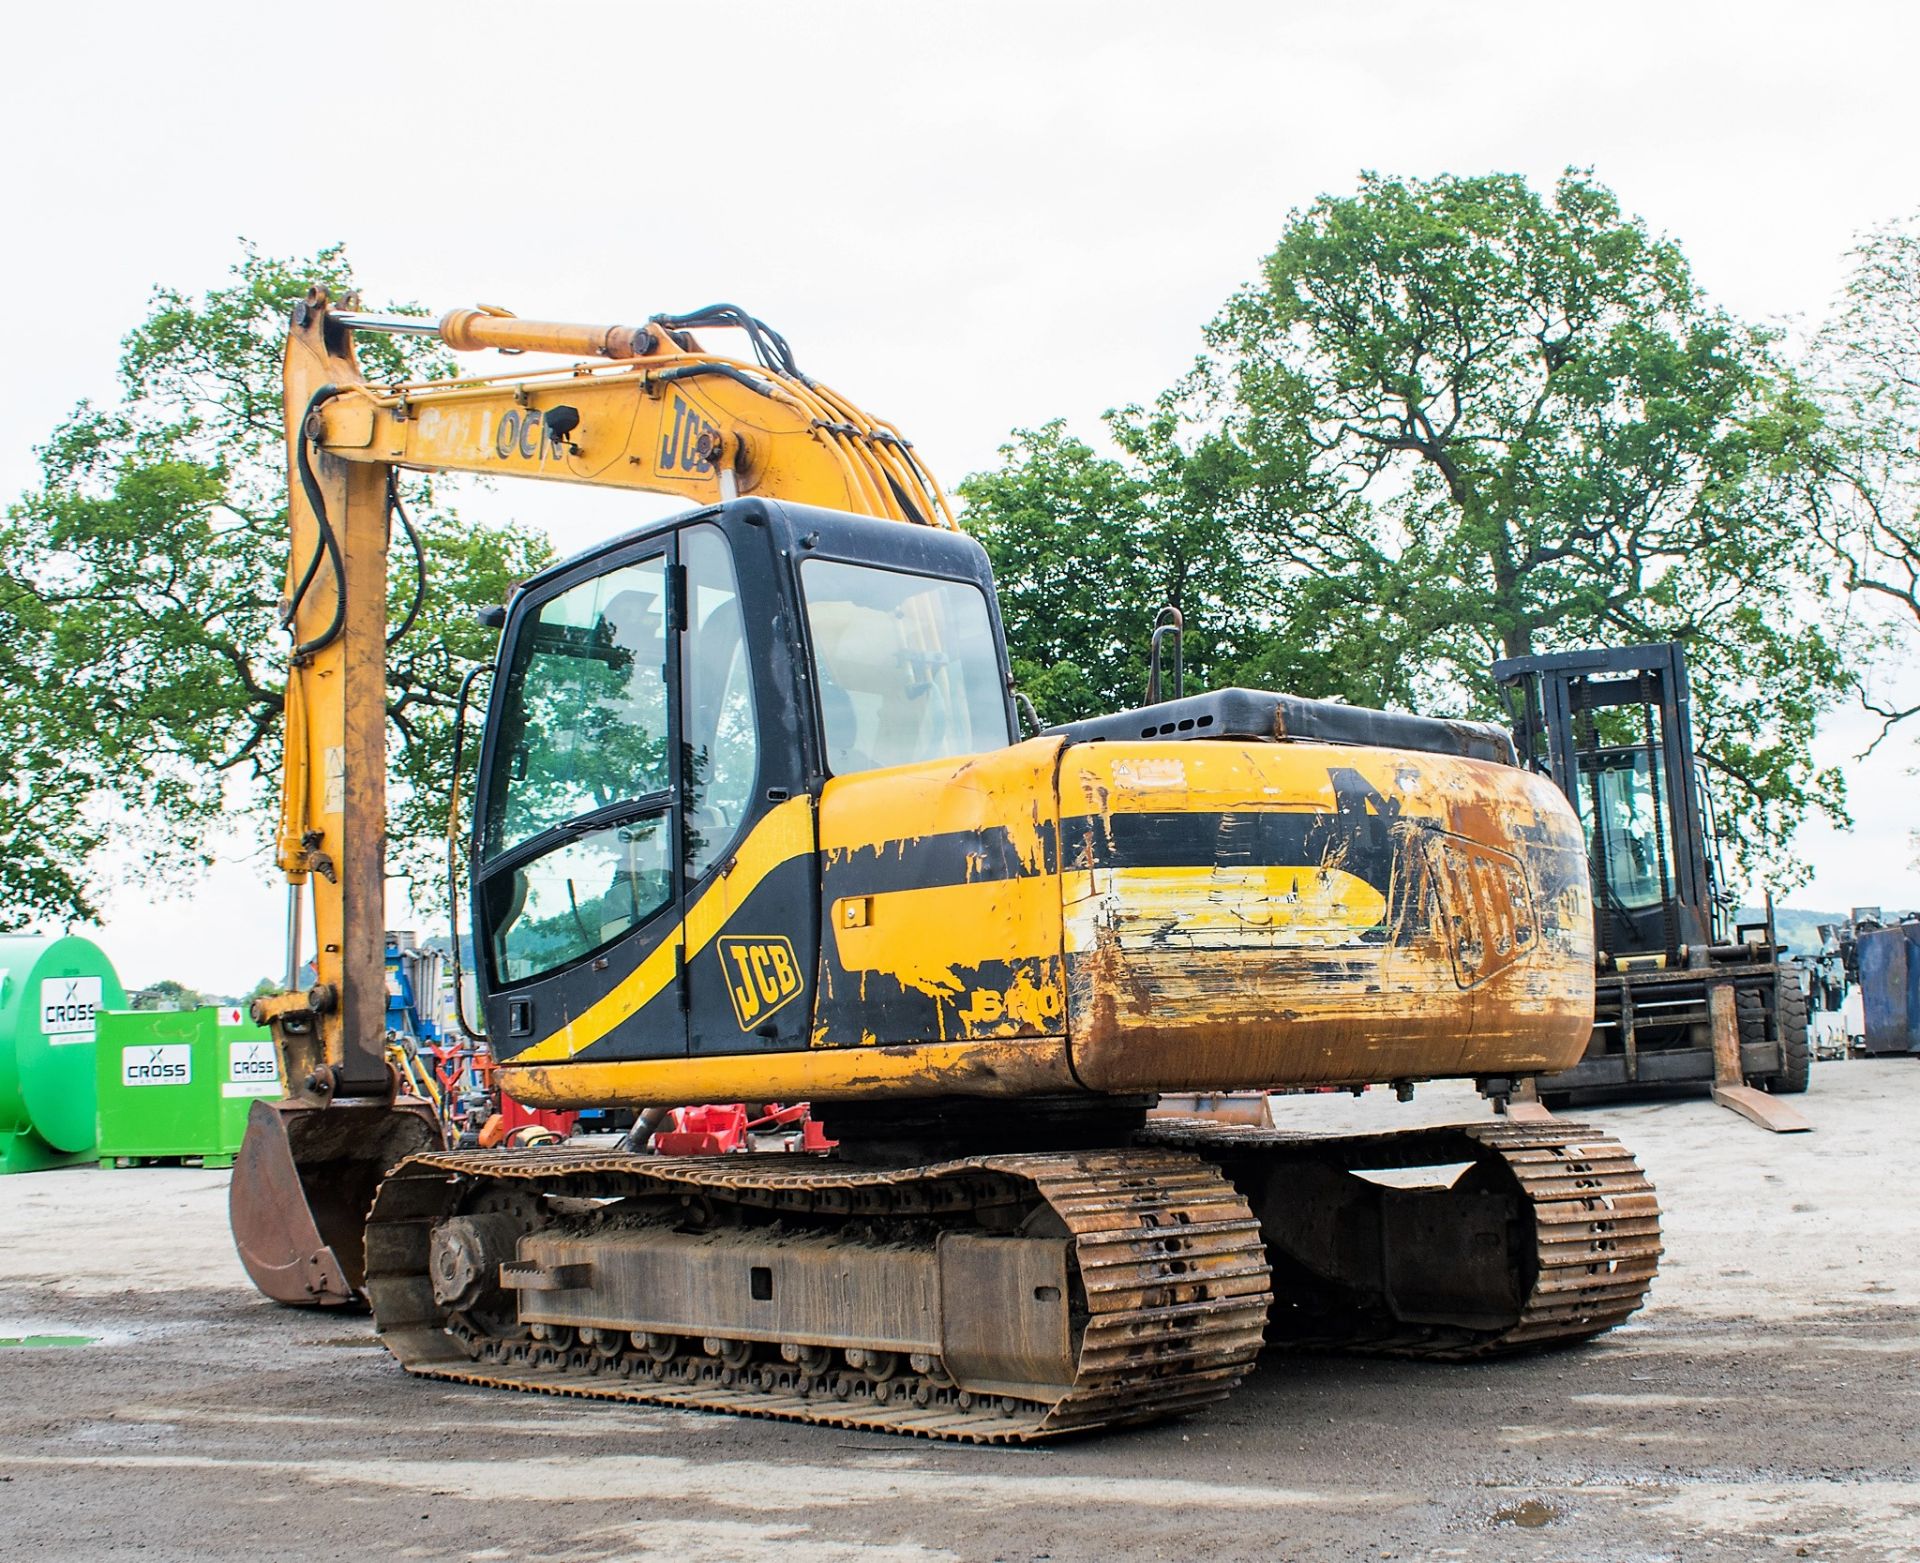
576,846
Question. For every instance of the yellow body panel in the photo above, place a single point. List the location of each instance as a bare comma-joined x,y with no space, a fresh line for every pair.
1009,790
1442,930
942,901
923,938
1135,917
1036,1067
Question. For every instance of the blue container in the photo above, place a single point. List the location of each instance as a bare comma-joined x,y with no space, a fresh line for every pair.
1890,988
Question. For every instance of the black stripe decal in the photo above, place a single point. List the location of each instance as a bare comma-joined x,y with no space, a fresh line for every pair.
1364,845
857,1004
1383,852
961,857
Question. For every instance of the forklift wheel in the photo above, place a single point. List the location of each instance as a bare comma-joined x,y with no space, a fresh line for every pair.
1797,1055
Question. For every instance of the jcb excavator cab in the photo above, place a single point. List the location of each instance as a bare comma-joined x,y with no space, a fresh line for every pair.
657,700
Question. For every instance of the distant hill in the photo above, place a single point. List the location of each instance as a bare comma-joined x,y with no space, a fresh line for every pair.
1799,928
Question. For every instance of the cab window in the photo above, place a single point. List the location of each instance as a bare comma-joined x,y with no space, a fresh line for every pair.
582,765
905,666
723,741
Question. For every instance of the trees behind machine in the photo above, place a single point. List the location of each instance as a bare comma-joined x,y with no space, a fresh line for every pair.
1450,421
140,647
1867,364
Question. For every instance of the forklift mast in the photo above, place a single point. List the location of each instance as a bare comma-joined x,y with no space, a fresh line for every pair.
1612,727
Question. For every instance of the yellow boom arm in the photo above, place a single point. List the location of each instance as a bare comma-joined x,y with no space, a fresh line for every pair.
655,413
649,410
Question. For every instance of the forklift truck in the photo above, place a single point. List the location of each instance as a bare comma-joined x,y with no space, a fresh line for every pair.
1611,727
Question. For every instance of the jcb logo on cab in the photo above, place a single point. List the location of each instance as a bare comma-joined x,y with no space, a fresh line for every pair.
761,975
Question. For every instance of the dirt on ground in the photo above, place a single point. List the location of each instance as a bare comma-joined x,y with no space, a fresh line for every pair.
1766,1404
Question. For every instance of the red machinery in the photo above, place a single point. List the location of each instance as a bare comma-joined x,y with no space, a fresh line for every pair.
730,1126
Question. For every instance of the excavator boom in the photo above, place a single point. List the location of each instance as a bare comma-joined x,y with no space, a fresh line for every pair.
655,413
658,415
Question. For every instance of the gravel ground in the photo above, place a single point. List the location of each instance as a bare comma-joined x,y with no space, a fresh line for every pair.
1766,1404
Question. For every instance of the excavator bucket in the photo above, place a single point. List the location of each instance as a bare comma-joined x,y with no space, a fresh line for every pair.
302,1186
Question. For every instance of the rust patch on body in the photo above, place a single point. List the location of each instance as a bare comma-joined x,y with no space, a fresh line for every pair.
1433,923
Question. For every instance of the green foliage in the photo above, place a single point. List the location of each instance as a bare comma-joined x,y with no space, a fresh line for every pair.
1453,420
1079,566
167,994
139,582
1866,364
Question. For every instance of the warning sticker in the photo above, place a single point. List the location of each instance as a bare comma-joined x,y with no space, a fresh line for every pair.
168,1065
333,766
252,1063
231,1015
67,1008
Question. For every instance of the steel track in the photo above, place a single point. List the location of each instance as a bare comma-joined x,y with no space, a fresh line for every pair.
1591,1213
1166,1254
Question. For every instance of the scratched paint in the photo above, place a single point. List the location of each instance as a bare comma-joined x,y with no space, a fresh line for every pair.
1172,916
1435,927
941,902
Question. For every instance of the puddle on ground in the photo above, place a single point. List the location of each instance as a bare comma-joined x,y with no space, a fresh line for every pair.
47,1340
1529,1515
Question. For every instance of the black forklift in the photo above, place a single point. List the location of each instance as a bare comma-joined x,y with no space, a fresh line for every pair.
1685,993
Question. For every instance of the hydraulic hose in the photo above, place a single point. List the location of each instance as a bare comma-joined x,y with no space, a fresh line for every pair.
395,508
328,543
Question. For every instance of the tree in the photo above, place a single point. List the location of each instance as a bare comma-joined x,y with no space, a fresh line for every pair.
139,582
1078,567
1455,420
1087,549
166,994
1866,362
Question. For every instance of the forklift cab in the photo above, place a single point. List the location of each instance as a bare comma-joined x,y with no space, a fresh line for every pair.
1612,727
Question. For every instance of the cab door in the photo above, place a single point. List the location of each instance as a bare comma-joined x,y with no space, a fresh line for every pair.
751,872
579,875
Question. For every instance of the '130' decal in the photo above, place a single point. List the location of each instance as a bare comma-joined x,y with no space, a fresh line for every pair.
761,976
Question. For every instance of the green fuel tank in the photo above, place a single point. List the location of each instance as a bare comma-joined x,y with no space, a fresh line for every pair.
52,992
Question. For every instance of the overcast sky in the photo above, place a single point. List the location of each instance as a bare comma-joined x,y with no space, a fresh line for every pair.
969,217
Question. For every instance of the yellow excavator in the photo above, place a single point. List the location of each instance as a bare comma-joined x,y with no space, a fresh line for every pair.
755,818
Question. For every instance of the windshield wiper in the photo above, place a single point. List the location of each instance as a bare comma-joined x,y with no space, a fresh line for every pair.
605,817
618,813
